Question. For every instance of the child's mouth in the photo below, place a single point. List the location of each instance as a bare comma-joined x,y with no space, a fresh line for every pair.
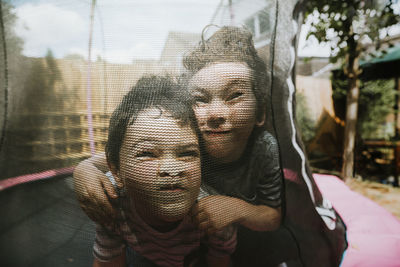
216,133
172,188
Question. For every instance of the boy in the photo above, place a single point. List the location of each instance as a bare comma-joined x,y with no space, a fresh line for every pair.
229,87
153,150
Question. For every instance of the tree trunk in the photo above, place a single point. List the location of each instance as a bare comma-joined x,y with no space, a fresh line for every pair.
350,127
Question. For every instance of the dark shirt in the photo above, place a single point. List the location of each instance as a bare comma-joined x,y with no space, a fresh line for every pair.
255,178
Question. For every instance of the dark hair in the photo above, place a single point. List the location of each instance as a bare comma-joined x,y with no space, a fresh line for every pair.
232,44
150,91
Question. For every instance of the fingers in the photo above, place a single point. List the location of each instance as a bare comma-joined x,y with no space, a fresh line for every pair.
198,215
100,191
207,227
101,202
107,185
203,221
94,191
202,217
96,204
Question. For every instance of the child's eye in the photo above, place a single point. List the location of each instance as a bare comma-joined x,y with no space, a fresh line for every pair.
200,99
188,153
146,154
234,96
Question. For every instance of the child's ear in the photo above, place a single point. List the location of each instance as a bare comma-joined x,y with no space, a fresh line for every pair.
260,120
115,172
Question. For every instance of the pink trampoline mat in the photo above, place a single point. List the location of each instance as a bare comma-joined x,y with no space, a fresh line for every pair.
373,233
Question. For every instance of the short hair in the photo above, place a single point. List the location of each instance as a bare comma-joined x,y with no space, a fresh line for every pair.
150,91
232,44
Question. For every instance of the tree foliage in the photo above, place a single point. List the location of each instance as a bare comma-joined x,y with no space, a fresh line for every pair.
43,88
14,42
377,101
340,23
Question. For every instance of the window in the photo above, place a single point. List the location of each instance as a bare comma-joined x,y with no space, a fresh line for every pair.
259,24
264,22
250,25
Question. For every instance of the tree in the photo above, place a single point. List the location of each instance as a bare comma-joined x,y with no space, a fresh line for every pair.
12,45
348,26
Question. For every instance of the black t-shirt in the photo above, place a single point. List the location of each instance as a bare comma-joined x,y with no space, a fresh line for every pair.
255,178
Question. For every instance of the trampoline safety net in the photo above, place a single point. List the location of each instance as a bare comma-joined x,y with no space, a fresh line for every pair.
156,133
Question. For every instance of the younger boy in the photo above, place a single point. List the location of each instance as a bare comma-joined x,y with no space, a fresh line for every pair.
153,150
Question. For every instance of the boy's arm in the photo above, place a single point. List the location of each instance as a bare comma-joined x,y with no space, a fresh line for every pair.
109,248
214,213
119,261
92,187
259,217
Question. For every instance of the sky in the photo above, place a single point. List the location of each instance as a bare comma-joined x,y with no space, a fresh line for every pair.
123,29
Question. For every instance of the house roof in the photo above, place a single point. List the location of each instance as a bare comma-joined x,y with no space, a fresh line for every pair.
392,54
178,43
384,66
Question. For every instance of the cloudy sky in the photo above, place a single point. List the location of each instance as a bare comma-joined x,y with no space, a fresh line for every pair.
123,29
63,26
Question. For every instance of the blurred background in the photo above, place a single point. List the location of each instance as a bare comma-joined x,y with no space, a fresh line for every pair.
65,65
63,55
70,63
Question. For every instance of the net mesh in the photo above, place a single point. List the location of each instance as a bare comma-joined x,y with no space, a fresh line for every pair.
203,89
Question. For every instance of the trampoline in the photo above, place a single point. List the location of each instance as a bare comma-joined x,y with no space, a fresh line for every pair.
43,225
67,66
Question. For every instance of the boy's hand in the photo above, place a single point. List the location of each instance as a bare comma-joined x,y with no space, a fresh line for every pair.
213,213
94,192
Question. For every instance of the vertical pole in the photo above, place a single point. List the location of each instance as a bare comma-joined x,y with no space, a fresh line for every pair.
212,21
89,86
5,62
232,14
397,108
397,121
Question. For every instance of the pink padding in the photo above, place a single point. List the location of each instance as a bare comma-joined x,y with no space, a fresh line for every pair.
291,175
373,233
33,177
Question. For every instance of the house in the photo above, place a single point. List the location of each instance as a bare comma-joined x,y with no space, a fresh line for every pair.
176,45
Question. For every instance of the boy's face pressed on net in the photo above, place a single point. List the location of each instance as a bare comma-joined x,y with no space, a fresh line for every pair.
225,107
160,164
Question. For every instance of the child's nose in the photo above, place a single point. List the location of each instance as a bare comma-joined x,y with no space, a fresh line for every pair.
171,168
217,114
215,122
